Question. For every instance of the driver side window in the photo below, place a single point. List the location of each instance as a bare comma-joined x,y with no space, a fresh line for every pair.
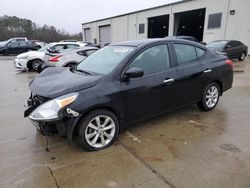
154,59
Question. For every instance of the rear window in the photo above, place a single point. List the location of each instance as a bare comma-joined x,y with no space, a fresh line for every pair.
185,53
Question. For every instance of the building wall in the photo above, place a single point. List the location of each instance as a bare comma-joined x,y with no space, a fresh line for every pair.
238,25
232,26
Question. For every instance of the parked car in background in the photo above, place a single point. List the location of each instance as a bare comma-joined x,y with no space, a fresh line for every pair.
69,58
123,83
18,47
16,39
232,48
59,47
31,60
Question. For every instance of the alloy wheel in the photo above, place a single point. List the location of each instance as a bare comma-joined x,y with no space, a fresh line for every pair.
212,96
36,64
100,131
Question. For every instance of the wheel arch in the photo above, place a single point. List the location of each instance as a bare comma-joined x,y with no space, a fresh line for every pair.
70,62
30,61
220,85
102,107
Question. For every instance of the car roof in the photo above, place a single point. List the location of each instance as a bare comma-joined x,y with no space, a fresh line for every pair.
137,43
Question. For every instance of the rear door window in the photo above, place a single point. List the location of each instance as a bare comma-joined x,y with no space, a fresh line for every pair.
185,53
235,43
23,43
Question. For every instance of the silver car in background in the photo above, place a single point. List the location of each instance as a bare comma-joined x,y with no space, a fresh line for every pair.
68,58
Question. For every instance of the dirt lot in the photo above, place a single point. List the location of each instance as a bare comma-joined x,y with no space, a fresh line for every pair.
186,148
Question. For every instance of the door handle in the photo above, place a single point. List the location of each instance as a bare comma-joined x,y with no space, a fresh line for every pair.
168,80
207,70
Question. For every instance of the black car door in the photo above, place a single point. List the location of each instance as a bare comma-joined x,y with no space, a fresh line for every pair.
191,72
155,91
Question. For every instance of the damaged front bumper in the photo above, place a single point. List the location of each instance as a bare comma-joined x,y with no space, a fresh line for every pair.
64,125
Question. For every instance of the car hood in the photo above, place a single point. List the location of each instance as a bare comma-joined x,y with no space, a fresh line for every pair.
30,54
56,81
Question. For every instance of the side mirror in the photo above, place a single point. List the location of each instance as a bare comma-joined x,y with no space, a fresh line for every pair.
228,46
133,72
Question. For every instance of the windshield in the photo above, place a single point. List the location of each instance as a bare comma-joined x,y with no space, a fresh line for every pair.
217,44
105,60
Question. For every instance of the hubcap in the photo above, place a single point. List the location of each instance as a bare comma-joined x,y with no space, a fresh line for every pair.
36,64
100,131
212,96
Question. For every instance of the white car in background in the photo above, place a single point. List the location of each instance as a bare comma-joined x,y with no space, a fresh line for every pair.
30,60
33,60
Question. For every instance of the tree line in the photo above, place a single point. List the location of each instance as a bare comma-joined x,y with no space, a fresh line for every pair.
12,26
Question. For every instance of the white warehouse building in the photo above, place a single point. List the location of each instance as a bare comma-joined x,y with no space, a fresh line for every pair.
207,20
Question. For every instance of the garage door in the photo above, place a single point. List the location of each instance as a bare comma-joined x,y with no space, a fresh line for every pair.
87,35
105,36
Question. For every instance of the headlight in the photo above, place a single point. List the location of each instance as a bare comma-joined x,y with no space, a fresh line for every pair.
23,57
50,109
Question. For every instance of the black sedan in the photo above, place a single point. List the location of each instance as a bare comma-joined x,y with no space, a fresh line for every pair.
18,47
123,83
232,48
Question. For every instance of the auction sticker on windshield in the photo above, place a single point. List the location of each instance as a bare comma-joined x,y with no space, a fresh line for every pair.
122,50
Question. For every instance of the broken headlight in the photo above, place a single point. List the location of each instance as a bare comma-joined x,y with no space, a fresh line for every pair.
49,110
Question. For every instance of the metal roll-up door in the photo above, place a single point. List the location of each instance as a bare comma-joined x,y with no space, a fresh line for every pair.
105,35
87,35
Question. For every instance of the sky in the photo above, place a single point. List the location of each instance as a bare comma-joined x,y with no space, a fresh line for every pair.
69,14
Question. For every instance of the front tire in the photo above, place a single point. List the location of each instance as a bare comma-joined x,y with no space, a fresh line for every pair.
98,130
35,64
210,97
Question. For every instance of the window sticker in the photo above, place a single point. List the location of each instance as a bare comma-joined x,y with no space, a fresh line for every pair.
122,50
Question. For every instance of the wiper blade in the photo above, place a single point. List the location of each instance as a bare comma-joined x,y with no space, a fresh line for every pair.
83,71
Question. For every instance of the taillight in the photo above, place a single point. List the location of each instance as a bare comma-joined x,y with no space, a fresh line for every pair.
55,59
230,63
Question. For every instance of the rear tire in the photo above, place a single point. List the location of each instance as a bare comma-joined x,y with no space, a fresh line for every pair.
98,130
242,57
210,97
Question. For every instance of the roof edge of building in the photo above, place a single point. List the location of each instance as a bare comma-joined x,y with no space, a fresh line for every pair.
165,5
